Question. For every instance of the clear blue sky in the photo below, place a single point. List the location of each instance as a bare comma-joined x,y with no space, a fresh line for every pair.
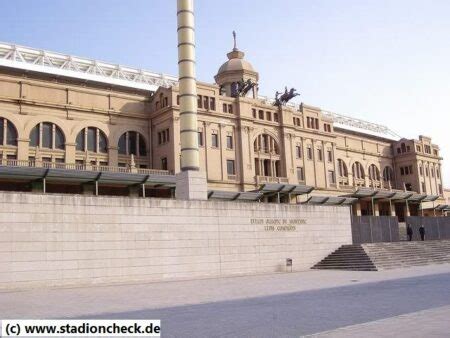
383,61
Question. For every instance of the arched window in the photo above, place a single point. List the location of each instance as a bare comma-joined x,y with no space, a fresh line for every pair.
358,171
267,161
8,133
132,143
388,174
403,148
265,143
374,172
342,168
92,139
234,89
47,135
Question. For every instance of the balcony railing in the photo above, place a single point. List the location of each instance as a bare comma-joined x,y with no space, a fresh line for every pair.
375,184
359,182
267,150
343,180
270,179
82,167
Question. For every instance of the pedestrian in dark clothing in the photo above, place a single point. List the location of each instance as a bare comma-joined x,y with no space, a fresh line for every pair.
409,232
422,232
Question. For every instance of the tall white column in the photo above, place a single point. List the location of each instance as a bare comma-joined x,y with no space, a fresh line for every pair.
188,86
190,183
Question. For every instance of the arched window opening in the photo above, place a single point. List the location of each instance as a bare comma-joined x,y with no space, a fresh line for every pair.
267,159
342,168
265,143
403,146
342,172
358,171
132,143
92,139
388,174
374,172
47,135
8,133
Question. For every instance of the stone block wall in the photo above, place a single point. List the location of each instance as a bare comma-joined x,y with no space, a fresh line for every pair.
54,240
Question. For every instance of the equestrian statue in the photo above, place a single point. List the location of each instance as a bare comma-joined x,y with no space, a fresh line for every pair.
245,86
285,97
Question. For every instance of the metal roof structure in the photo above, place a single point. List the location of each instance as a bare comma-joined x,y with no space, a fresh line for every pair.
330,200
30,174
81,68
270,189
361,126
394,195
443,207
347,122
43,61
248,196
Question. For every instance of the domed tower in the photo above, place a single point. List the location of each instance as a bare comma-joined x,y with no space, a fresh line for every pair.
232,72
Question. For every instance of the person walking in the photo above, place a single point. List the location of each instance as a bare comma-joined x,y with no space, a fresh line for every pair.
422,232
409,232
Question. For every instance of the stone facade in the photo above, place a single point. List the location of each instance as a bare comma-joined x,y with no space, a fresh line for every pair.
48,240
244,140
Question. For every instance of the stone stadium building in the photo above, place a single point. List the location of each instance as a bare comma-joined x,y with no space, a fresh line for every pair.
74,125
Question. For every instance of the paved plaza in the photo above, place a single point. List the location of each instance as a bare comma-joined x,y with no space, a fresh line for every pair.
403,302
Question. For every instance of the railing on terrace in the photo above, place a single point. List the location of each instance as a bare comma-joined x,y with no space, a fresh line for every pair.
375,184
359,182
266,150
82,167
343,181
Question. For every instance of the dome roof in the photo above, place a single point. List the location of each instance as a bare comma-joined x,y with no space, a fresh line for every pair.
236,62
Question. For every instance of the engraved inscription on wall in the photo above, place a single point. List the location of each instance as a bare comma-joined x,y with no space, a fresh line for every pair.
278,224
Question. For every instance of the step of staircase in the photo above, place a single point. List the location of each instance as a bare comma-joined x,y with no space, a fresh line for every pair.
382,256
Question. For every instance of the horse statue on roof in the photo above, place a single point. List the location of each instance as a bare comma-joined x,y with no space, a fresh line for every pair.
285,97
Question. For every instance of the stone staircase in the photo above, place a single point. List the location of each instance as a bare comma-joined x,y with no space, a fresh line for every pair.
381,256
347,257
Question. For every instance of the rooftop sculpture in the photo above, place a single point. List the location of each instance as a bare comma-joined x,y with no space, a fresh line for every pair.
285,97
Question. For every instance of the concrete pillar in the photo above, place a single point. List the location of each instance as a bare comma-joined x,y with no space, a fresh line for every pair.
392,209
376,208
358,208
190,182
407,213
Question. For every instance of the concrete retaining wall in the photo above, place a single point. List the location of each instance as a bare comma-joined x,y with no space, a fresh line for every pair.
374,229
48,240
435,227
